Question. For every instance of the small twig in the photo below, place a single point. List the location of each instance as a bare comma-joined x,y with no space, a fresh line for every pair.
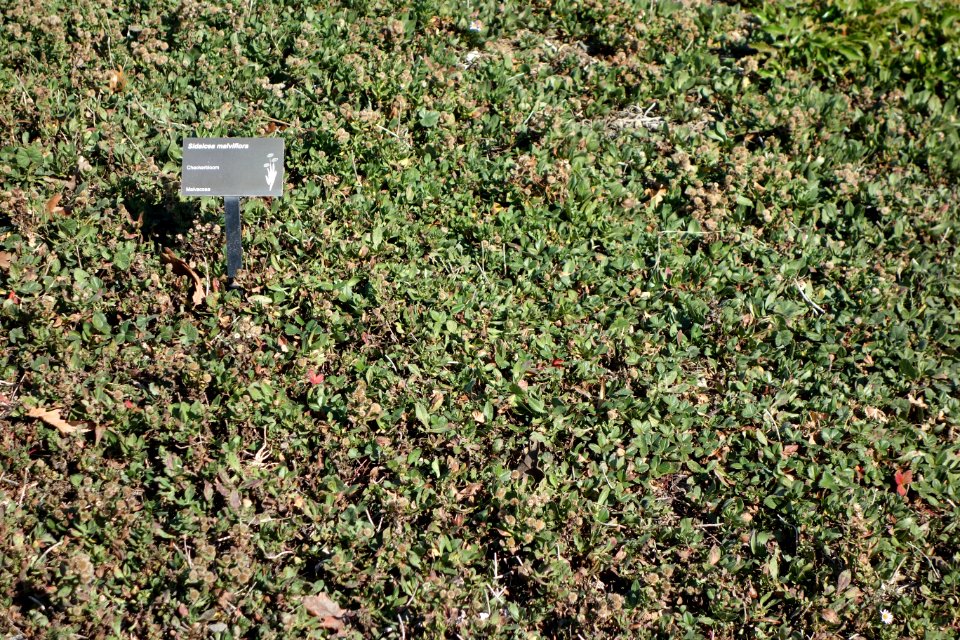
11,400
813,304
413,595
532,111
286,124
769,416
634,118
387,131
604,472
894,575
136,146
26,98
355,173
48,550
157,120
186,554
392,364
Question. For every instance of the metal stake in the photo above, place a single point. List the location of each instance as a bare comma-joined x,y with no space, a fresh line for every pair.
234,246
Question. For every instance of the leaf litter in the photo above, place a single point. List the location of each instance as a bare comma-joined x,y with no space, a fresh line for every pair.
180,267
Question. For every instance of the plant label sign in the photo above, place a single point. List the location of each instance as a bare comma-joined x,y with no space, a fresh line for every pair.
228,167
232,168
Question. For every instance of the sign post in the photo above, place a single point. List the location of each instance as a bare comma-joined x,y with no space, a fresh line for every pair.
232,168
231,205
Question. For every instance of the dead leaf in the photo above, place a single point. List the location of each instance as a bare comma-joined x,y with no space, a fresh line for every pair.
137,224
469,491
6,259
116,80
181,268
714,556
843,580
875,414
53,419
437,398
226,598
53,205
830,616
656,197
321,606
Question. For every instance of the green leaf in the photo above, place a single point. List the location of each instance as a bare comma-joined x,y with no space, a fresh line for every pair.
429,119
422,414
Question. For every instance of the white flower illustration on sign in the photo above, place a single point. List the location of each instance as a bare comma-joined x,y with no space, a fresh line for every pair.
271,167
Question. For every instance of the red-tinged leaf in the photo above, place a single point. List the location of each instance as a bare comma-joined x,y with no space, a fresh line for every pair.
129,404
557,362
903,480
315,378
12,297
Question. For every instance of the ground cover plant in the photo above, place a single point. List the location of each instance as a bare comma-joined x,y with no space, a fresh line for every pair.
577,319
